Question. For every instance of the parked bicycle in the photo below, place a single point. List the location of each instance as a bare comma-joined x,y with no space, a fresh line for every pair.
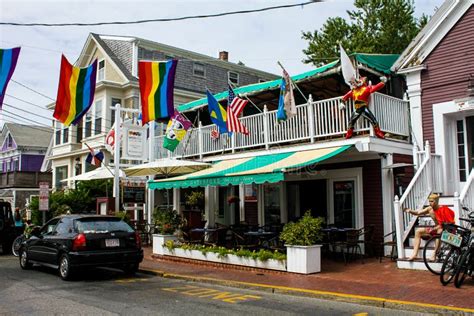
458,237
20,239
465,265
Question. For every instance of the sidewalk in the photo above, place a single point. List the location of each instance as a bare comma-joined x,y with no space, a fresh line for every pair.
374,283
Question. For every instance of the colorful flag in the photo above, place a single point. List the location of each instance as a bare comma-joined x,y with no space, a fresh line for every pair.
75,92
348,71
94,157
175,131
156,81
217,112
234,108
110,139
8,59
286,103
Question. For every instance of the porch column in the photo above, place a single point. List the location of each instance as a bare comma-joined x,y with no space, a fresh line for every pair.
210,205
177,200
241,203
387,194
261,204
413,78
283,203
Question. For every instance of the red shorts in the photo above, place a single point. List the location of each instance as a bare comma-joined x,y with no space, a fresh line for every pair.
432,231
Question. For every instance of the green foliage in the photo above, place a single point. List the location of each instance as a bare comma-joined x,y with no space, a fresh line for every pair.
167,221
82,199
223,252
124,216
195,199
305,232
376,26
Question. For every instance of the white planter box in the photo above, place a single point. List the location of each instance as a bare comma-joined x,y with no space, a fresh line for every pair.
229,259
158,242
303,259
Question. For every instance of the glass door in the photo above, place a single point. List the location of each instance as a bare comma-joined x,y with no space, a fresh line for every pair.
344,203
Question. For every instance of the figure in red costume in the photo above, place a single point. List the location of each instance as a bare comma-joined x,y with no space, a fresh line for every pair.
360,93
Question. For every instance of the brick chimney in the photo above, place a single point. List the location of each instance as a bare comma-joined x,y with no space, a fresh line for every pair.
223,55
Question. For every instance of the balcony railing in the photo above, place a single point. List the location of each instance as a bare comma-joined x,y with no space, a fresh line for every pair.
23,179
315,121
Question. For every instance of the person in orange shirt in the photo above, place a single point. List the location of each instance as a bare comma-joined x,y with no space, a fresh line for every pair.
441,214
360,93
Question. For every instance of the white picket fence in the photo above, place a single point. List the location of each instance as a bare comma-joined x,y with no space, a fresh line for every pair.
465,199
315,121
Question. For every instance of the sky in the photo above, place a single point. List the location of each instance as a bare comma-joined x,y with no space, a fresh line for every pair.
258,40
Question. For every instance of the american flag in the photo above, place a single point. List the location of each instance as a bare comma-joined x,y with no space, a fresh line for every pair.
235,107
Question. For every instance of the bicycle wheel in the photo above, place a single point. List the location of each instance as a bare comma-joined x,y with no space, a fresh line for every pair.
435,265
16,245
448,270
463,268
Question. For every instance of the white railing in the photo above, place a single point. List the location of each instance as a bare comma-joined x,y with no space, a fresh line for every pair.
427,179
315,120
465,199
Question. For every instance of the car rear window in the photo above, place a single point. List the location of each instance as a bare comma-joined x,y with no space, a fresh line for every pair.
94,225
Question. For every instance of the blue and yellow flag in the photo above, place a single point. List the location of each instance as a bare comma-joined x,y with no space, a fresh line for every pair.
217,112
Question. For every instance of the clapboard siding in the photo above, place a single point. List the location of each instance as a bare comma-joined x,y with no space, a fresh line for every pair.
448,69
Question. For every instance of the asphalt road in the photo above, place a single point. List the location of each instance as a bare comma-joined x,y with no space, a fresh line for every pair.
108,292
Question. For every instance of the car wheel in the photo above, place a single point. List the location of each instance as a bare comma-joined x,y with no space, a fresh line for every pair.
131,269
25,263
65,271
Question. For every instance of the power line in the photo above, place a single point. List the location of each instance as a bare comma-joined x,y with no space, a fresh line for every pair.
36,114
190,17
16,117
28,102
37,92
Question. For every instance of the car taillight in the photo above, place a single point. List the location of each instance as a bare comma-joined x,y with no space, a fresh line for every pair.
79,242
138,240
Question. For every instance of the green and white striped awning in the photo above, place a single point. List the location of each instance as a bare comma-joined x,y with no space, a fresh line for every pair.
259,169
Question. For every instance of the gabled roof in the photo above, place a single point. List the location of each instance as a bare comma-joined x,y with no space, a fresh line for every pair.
27,135
431,35
377,62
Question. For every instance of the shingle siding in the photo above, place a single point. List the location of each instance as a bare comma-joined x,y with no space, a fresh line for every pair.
448,69
123,50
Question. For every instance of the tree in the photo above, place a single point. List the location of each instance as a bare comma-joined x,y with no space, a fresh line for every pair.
376,26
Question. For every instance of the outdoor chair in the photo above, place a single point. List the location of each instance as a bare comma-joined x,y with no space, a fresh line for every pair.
390,243
351,245
368,240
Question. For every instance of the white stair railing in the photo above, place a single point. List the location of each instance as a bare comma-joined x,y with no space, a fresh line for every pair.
427,178
465,199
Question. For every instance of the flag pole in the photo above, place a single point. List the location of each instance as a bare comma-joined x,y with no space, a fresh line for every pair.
298,88
106,167
245,96
117,158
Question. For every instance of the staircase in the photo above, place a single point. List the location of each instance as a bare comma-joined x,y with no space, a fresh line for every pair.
426,180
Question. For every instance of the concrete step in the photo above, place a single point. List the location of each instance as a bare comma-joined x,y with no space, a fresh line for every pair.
411,242
409,251
415,265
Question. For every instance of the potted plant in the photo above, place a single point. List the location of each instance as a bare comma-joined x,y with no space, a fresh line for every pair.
301,240
233,199
195,199
166,221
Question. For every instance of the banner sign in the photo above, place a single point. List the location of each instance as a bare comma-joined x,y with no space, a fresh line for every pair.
134,142
44,196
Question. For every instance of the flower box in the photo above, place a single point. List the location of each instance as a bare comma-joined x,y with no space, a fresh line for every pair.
228,259
303,259
158,243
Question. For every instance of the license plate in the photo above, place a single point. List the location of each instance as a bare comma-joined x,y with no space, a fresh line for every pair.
112,243
451,239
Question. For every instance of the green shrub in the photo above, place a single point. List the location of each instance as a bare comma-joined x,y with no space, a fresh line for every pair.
195,199
167,221
305,232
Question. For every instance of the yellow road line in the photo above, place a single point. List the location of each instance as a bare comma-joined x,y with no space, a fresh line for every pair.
314,292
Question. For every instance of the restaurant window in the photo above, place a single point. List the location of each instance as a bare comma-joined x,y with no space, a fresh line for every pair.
233,77
223,197
98,117
61,173
272,203
101,70
344,203
199,70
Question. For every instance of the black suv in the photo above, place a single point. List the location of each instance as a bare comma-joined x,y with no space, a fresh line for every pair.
70,242
7,226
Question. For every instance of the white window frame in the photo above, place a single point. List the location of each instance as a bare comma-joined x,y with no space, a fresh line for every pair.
234,73
98,113
100,71
203,70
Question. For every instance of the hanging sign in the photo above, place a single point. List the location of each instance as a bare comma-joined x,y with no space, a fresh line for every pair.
134,142
43,196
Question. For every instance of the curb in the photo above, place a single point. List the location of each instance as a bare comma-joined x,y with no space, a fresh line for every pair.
342,297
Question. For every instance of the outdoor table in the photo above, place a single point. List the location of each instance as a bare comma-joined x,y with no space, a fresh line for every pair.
208,234
262,236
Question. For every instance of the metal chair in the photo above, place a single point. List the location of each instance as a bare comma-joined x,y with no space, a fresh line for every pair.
391,243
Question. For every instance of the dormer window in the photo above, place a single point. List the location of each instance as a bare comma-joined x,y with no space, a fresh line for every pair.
10,141
233,77
199,70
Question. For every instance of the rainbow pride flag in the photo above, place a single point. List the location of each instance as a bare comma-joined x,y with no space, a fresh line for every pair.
8,59
75,92
156,81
